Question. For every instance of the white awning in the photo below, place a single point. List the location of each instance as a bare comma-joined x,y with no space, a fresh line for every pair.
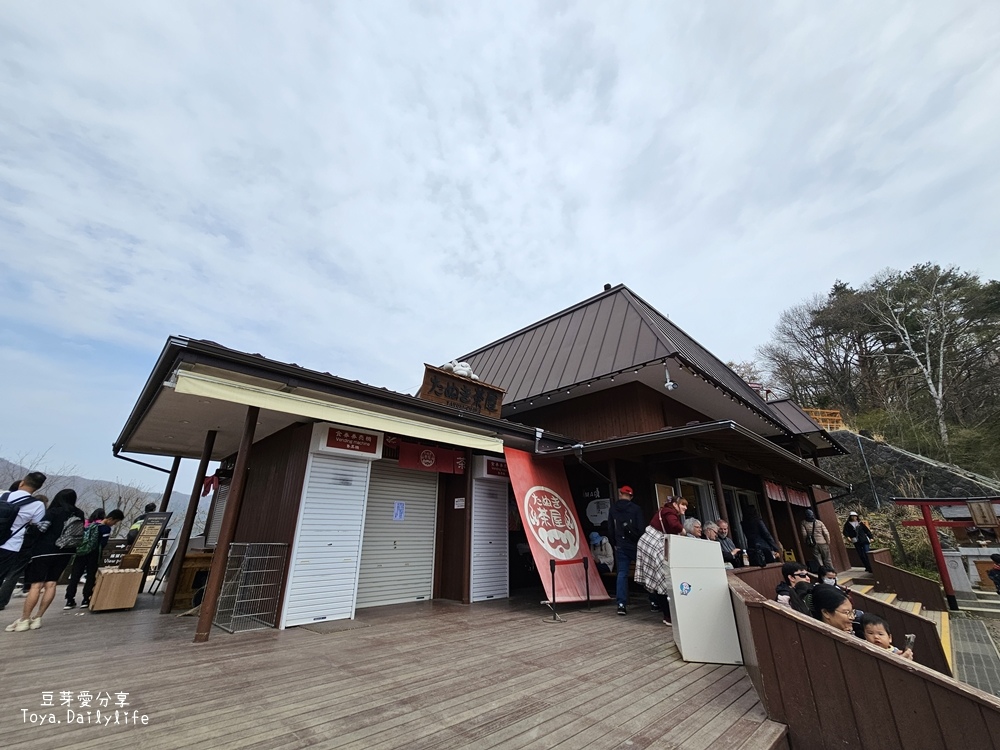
206,386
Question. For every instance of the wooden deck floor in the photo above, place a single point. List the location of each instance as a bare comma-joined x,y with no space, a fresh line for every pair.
426,675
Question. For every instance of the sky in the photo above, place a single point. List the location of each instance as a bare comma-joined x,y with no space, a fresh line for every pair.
362,187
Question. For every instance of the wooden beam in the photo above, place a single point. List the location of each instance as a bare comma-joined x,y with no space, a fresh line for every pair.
169,489
192,510
228,530
795,532
719,492
467,557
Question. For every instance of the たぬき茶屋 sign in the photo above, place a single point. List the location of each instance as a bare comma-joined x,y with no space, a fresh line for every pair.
553,528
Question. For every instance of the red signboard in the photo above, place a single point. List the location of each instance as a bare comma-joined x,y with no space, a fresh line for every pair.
352,440
428,458
495,468
552,525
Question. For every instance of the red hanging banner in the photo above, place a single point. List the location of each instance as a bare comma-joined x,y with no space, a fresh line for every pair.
552,526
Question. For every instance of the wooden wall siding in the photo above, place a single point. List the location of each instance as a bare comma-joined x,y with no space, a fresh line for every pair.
928,649
833,690
828,515
629,409
273,492
908,586
451,551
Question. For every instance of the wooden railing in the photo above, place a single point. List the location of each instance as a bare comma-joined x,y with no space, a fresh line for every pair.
928,649
908,586
834,690
828,419
882,554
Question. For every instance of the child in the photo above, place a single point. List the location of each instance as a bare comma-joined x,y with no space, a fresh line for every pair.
877,633
994,572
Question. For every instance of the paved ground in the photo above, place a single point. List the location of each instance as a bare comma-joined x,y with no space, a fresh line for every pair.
976,659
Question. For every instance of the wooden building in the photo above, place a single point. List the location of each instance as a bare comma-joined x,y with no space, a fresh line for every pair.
652,408
377,497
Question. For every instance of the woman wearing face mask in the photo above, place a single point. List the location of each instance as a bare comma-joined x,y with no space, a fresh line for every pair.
857,533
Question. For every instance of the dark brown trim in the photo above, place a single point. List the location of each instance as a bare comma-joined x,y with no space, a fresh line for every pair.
169,489
720,493
467,564
229,520
192,510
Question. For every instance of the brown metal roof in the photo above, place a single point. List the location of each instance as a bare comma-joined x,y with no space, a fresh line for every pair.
799,423
609,333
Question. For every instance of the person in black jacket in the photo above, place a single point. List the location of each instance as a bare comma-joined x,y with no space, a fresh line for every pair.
48,560
761,547
626,523
792,573
857,533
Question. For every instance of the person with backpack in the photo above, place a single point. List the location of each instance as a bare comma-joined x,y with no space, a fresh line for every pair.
88,555
626,525
18,510
816,538
58,534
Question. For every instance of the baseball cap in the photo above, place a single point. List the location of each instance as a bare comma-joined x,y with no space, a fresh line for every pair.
852,513
626,489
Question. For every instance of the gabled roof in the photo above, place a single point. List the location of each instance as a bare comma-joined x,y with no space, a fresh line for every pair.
165,421
613,332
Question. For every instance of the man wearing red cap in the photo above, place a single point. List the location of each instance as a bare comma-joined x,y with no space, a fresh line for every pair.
626,525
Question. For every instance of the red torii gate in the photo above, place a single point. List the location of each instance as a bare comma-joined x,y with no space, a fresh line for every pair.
930,524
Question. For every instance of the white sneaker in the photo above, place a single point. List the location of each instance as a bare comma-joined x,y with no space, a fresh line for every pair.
35,623
13,626
18,626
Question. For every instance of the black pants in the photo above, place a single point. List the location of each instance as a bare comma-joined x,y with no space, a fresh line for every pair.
12,565
84,563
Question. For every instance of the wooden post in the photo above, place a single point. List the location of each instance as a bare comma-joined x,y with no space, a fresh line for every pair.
795,531
719,492
215,576
171,478
770,513
192,510
467,565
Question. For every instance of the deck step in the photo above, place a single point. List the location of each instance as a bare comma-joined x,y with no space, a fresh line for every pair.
861,589
883,597
913,607
770,735
941,621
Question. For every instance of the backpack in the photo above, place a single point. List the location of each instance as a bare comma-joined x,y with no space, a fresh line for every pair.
629,531
811,536
91,539
8,515
72,533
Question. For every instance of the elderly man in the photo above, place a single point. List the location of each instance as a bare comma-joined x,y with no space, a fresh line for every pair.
730,552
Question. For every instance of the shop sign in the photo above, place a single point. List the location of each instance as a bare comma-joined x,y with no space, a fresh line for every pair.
457,392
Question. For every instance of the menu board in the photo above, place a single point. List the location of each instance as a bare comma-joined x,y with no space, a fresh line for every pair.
150,532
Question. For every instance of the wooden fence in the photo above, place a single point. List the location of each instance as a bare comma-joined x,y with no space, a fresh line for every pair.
908,586
928,651
834,690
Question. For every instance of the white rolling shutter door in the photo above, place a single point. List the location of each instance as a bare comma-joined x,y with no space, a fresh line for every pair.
325,557
490,578
397,557
215,522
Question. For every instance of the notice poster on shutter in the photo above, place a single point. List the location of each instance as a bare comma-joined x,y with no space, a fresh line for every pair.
552,526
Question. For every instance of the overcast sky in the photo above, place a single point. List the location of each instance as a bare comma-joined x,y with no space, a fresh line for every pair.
363,187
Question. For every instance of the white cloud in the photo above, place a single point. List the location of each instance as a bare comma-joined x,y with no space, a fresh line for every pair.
362,187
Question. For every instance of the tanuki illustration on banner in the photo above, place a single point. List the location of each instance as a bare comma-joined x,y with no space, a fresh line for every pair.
552,525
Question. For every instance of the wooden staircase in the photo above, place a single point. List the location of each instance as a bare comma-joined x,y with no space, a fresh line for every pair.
857,579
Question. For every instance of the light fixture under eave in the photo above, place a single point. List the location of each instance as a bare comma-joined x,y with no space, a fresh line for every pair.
670,385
